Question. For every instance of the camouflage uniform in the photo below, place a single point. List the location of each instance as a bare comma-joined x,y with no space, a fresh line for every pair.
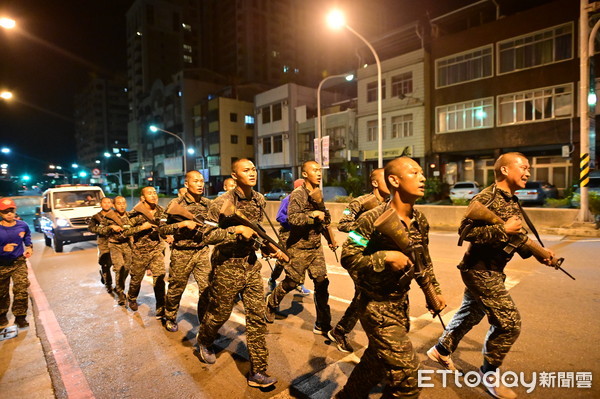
13,266
306,253
148,253
103,250
346,224
482,271
236,270
189,254
384,309
120,249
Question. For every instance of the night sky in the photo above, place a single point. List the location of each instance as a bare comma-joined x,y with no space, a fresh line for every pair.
58,45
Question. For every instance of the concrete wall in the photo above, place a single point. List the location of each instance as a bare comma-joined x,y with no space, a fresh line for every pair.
449,217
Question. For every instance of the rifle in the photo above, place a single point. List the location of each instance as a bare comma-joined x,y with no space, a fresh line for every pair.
175,209
317,197
390,225
141,208
114,216
479,212
370,203
229,216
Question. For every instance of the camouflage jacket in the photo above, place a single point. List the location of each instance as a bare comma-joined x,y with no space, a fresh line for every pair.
186,238
487,242
221,233
305,233
113,236
354,209
365,258
94,225
150,239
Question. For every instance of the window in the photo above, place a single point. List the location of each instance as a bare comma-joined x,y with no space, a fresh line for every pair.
249,120
536,49
266,114
232,117
278,143
249,140
276,112
402,84
372,91
476,114
266,145
372,130
234,139
464,67
535,105
402,126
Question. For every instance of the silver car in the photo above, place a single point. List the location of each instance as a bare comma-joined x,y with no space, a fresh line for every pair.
464,190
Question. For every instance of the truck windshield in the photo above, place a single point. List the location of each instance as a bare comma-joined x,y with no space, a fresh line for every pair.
74,199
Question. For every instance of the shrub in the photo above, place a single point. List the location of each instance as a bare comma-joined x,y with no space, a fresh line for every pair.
460,201
594,203
558,203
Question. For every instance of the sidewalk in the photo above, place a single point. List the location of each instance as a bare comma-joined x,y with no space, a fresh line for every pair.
23,369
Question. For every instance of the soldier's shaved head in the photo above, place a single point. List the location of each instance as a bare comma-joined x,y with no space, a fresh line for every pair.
396,167
505,160
307,164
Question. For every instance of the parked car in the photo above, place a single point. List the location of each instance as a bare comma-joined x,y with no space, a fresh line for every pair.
277,194
536,192
593,187
464,190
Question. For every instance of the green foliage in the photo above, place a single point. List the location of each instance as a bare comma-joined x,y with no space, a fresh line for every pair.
594,203
353,183
278,182
344,199
433,189
558,203
569,191
460,201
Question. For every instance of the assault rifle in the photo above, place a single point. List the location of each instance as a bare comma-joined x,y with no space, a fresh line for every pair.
390,225
479,212
114,216
143,209
317,197
370,203
175,209
229,216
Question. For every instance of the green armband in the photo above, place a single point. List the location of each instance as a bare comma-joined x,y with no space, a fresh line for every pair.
358,239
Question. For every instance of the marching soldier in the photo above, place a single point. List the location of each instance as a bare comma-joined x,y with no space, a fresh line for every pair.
236,269
148,249
304,245
229,184
189,254
119,245
482,271
383,274
103,251
355,208
15,247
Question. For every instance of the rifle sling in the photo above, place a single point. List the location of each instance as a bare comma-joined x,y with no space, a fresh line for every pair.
273,227
530,224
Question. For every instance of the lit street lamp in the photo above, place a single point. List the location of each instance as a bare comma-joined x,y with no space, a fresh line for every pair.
154,129
5,150
7,23
6,95
336,20
349,78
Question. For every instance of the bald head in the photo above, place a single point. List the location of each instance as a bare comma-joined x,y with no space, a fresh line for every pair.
505,160
396,167
308,164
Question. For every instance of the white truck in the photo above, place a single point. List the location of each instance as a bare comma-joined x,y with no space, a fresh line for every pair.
65,212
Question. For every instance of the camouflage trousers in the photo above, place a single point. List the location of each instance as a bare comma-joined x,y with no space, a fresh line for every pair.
121,255
313,261
153,260
105,264
17,271
390,356
351,315
183,263
230,277
485,295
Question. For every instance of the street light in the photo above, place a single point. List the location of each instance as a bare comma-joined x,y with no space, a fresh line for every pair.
5,150
336,20
154,129
6,95
349,78
7,23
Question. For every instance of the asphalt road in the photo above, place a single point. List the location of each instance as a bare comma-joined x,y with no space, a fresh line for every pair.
125,354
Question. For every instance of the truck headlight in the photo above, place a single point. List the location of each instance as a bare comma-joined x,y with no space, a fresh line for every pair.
60,222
